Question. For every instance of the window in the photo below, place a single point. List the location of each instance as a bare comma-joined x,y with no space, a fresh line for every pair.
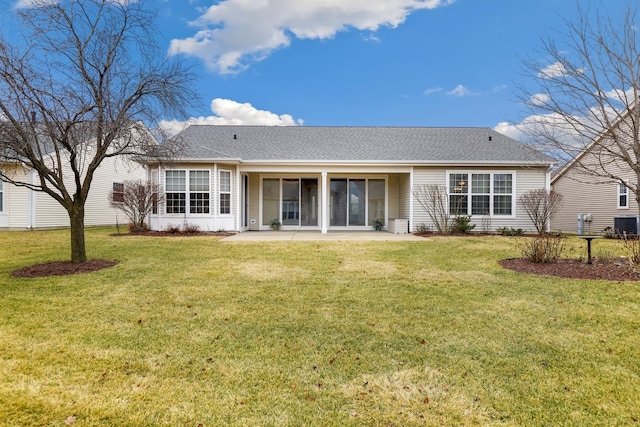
489,193
623,196
1,196
176,191
118,192
225,192
199,192
503,193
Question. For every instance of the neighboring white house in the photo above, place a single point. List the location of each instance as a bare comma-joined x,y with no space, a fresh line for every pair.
21,208
240,178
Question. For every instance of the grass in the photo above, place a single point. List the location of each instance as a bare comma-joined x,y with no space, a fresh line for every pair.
196,331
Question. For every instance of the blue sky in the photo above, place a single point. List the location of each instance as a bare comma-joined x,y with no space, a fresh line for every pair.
417,63
358,62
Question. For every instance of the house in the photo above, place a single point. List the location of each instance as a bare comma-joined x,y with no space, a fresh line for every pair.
240,178
22,208
595,186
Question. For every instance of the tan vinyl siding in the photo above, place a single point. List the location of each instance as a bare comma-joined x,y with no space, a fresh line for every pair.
425,176
404,191
525,179
394,196
599,200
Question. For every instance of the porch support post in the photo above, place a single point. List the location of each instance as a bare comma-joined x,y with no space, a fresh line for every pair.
239,196
324,204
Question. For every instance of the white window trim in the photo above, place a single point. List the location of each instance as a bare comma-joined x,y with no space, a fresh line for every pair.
230,193
113,190
620,193
469,193
2,191
187,193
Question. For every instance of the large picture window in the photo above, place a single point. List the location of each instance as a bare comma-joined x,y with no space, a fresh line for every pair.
178,192
481,194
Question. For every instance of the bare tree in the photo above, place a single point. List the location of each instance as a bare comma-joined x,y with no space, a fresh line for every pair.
82,83
433,199
582,108
540,205
136,199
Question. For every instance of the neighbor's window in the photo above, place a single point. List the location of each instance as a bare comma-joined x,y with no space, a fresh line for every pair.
175,186
225,192
623,196
199,192
478,194
118,192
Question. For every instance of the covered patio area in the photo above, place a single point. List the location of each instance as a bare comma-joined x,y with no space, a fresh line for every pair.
288,235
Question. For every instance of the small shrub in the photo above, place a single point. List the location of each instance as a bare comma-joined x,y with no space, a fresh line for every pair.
275,224
510,231
423,229
462,224
378,225
542,249
609,233
136,227
191,229
172,229
631,247
605,253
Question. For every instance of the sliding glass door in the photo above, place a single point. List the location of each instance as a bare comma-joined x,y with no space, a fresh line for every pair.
356,202
292,201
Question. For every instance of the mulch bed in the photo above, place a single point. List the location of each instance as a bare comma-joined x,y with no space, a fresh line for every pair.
175,233
63,268
614,270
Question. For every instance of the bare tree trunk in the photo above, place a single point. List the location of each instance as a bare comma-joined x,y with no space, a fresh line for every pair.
78,247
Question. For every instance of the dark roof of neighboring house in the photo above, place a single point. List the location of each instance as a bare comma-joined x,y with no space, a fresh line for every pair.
420,145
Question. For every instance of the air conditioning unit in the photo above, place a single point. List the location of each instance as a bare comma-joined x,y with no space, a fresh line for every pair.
625,225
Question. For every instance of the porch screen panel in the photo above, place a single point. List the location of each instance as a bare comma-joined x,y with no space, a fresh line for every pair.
290,202
376,200
338,202
309,202
357,201
270,200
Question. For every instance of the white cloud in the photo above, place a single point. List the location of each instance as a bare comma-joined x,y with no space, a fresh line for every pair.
539,99
459,90
21,4
228,112
432,91
24,4
233,33
558,69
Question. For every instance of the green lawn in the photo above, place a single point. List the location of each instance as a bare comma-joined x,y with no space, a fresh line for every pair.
195,331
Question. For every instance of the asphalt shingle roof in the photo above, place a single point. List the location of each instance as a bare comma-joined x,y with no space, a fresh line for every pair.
354,144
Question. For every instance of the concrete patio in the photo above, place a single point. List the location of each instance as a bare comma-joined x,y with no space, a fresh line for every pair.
264,236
